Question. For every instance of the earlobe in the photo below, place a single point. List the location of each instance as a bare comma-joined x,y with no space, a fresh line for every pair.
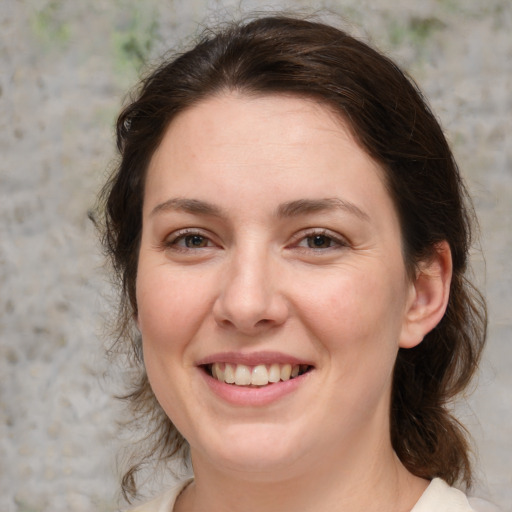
429,296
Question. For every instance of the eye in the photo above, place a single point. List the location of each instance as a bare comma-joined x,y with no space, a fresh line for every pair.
321,240
184,240
192,241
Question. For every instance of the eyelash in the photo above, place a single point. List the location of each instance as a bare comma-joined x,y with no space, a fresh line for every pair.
182,235
335,241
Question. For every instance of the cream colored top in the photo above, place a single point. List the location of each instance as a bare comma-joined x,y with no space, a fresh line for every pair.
438,497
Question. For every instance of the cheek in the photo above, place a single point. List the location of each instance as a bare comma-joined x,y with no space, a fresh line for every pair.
165,308
167,326
356,324
351,310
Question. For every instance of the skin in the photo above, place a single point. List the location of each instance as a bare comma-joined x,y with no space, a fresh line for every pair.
252,280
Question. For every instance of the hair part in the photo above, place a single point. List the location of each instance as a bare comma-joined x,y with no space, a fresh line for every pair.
391,121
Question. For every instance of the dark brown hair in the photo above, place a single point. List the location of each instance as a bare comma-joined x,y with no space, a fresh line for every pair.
392,123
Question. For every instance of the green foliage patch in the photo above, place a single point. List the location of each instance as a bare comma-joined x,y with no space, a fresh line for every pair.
133,39
49,25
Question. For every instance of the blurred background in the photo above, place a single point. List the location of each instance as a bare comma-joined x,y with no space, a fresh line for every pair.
65,69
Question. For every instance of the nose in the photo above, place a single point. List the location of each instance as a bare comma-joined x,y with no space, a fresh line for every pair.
251,300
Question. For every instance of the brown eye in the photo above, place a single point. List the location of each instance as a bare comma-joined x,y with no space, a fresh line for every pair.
319,242
195,241
187,240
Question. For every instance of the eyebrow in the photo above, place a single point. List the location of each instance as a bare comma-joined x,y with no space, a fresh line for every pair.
193,206
288,209
306,206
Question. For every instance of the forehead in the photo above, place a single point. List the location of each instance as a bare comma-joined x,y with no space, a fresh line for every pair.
287,145
289,127
253,116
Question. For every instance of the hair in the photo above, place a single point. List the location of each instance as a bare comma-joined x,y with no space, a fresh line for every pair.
391,121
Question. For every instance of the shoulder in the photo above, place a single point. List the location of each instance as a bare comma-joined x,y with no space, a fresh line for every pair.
164,502
440,497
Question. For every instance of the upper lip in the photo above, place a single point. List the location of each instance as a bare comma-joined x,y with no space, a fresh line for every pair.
251,359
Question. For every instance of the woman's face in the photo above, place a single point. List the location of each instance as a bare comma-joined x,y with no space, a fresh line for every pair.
270,245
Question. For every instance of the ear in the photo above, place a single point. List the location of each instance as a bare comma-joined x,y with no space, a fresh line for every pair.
429,295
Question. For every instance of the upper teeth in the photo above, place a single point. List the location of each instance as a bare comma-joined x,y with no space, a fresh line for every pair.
260,375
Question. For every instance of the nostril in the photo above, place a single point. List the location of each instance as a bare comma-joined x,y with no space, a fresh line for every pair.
249,311
224,322
247,325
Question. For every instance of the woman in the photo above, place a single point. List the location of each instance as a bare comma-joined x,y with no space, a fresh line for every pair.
291,233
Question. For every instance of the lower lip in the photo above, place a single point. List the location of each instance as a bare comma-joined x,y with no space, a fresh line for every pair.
254,396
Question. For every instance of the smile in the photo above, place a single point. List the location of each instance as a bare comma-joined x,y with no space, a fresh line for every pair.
259,375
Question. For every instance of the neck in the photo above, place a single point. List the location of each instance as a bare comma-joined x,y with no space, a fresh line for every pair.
375,482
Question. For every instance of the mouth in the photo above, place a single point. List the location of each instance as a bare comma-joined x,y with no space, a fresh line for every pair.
255,376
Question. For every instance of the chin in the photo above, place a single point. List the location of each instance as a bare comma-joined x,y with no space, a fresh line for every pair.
258,450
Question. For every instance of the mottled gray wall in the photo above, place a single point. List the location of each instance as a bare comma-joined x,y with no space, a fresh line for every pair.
64,69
